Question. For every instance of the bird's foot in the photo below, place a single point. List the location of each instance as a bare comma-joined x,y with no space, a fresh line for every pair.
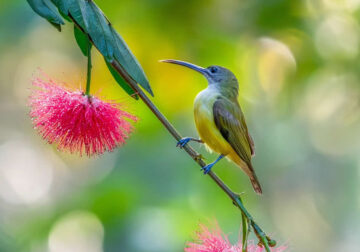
183,142
207,168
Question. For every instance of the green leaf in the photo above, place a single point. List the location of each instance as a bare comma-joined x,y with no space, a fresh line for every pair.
63,5
128,61
71,8
47,10
65,16
98,28
82,40
76,10
121,81
93,22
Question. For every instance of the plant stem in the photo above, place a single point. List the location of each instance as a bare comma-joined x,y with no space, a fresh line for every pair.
244,234
89,66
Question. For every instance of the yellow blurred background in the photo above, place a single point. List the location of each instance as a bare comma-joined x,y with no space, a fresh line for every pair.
297,62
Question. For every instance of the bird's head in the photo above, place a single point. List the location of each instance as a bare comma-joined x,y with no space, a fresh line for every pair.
220,77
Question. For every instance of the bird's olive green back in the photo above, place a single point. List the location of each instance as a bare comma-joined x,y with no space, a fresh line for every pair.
229,119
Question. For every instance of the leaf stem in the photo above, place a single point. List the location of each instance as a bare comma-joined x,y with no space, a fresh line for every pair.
89,66
244,232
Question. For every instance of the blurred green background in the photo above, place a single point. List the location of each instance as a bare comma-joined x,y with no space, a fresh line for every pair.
297,62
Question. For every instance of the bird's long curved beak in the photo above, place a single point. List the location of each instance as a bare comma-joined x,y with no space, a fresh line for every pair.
186,64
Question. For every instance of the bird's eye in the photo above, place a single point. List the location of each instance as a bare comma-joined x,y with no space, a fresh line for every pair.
213,69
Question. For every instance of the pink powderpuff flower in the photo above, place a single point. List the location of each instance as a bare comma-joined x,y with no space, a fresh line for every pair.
209,241
216,241
76,122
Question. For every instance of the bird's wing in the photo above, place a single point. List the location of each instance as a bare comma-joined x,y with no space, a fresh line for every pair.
229,119
250,139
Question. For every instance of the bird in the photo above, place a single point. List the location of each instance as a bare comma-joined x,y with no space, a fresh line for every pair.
220,121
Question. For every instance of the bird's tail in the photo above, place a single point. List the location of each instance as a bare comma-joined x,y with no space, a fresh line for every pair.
255,183
249,170
254,180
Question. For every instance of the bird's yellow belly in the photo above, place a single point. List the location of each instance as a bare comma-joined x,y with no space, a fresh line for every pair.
208,132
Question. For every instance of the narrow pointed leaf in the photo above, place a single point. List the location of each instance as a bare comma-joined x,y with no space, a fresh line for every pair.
76,9
62,5
121,81
128,61
65,16
92,21
47,10
71,8
82,40
98,28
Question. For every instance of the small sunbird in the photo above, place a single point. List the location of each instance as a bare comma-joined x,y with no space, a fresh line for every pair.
219,120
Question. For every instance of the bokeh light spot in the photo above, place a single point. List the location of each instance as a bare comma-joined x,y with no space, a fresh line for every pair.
26,175
329,105
78,231
275,62
338,37
152,231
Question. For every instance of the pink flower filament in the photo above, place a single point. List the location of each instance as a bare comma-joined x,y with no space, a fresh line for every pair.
77,122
